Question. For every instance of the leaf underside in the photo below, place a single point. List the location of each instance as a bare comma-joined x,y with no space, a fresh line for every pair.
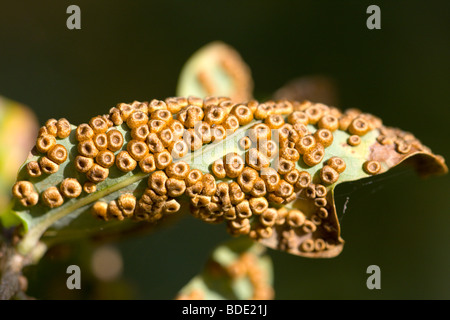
238,269
73,218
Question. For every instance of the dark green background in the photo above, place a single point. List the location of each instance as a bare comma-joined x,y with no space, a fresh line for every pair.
129,50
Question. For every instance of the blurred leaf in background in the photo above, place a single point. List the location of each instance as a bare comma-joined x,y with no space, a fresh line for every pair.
18,131
399,73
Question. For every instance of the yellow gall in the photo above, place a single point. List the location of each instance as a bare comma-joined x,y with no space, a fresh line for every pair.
324,137
301,130
320,202
115,116
136,119
87,148
263,111
177,129
89,187
315,156
175,187
256,160
63,128
137,149
179,149
258,205
305,144
337,164
57,154
83,164
328,122
162,115
299,117
162,159
127,203
259,132
271,178
247,179
215,115
284,189
268,148
100,210
231,123
243,210
292,176
174,105
243,114
48,166
50,125
114,211
314,114
52,197
171,206
274,121
100,141
307,245
192,140
97,173
322,213
166,136
33,169
268,217
295,218
147,164
259,188
45,142
105,158
245,143
284,166
359,126
218,132
115,140
209,185
321,191
203,131
154,143
140,133
193,177
236,194
22,189
156,105
309,226
290,154
157,182
233,164
98,124
30,200
218,169
70,188
190,115
354,140
195,101
328,175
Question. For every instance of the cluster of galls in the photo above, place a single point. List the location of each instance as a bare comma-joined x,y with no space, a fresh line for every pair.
54,155
251,185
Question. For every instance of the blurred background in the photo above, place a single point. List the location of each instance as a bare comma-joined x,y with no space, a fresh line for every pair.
134,50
